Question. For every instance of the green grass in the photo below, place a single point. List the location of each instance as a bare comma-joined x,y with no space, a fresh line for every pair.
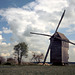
37,70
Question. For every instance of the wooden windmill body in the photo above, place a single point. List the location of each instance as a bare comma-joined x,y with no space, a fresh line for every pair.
59,50
58,47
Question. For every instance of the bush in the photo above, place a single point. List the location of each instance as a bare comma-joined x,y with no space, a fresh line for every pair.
7,63
11,61
2,60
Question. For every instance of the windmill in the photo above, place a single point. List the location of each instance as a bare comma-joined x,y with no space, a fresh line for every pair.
58,47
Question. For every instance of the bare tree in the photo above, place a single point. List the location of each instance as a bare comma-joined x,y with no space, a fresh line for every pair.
37,57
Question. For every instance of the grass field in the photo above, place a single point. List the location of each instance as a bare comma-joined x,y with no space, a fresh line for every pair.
37,70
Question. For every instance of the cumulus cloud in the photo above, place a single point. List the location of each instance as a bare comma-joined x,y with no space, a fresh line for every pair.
38,16
6,30
5,54
0,32
6,49
34,15
72,53
1,38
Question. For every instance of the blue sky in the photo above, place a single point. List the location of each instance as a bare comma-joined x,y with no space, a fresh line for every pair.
17,19
13,3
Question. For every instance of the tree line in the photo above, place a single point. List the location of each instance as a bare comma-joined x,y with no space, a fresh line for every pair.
20,51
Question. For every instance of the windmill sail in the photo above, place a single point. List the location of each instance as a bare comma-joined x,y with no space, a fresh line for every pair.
40,34
46,55
60,21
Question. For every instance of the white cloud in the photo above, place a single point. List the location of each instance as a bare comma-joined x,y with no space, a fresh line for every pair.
38,16
6,30
0,32
72,53
6,49
51,5
1,38
5,54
